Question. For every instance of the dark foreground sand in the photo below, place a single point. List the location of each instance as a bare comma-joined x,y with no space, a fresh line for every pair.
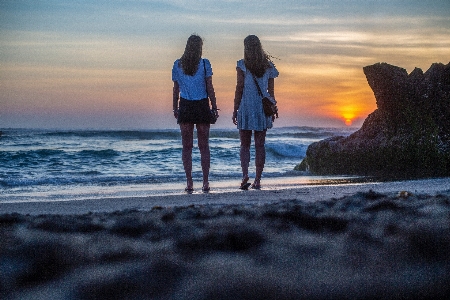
364,245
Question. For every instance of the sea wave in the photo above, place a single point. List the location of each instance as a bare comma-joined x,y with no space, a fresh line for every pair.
8,158
118,134
286,149
96,178
34,158
88,178
105,153
169,134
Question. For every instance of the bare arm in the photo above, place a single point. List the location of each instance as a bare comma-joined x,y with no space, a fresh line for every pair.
211,93
176,95
271,90
271,87
239,89
238,93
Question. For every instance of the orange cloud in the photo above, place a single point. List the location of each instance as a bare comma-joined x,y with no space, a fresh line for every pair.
325,91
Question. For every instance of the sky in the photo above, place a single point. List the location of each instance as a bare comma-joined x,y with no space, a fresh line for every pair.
107,63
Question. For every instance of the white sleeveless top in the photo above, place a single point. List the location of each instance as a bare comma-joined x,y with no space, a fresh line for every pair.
192,87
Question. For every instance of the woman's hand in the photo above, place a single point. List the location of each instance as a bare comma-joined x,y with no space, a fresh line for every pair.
176,95
234,118
216,112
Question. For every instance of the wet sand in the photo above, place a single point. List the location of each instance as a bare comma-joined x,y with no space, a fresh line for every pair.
385,240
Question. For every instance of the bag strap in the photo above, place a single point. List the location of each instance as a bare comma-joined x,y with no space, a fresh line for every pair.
257,86
206,85
261,94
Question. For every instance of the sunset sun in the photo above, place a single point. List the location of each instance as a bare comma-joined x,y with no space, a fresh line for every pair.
349,115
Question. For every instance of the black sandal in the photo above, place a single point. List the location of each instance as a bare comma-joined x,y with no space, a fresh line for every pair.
256,185
206,189
244,184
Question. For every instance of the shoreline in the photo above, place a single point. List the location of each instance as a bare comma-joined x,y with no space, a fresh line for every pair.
272,192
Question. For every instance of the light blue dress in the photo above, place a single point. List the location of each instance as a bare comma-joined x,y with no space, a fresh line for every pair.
250,115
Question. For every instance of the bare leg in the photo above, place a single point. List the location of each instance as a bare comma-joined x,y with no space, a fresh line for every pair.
187,138
246,139
203,145
260,155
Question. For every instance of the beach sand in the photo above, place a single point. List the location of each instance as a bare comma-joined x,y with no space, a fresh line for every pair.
380,240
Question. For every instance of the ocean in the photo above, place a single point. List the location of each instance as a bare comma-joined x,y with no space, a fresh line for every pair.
60,165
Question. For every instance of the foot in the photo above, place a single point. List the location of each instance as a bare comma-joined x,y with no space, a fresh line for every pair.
256,185
206,188
244,184
189,186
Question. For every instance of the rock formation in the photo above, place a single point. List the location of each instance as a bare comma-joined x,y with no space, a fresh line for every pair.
408,135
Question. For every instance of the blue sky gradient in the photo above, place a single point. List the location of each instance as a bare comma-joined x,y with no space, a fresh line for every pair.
107,64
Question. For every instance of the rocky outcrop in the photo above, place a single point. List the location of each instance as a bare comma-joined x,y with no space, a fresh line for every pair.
408,135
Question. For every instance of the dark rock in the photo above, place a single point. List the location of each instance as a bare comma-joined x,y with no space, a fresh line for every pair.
408,135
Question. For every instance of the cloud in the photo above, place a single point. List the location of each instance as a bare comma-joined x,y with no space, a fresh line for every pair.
62,56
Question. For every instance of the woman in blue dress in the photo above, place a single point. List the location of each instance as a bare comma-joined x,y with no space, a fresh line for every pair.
248,114
192,91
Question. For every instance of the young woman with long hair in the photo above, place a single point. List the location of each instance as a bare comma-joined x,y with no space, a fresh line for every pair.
192,91
248,114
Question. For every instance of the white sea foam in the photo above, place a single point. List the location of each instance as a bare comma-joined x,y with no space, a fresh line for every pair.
49,163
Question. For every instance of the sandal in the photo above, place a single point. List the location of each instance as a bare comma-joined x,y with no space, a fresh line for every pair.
244,184
256,185
206,188
189,190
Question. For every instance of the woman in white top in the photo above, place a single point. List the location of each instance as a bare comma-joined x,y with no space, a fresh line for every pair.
248,112
192,90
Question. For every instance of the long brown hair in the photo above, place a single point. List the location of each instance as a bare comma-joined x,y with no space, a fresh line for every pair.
192,55
255,59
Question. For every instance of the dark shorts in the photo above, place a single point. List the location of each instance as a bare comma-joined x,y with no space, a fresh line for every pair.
194,111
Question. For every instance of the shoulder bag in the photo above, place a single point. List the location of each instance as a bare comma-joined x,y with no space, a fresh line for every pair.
270,109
